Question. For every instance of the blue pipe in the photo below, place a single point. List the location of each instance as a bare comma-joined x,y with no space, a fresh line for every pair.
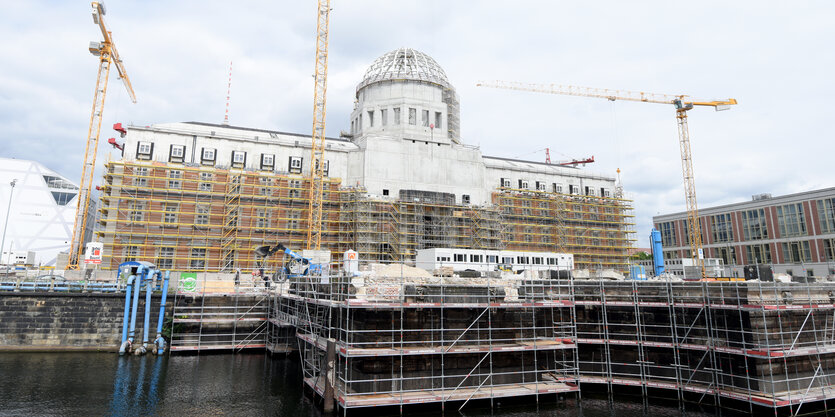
124,347
148,288
159,342
139,273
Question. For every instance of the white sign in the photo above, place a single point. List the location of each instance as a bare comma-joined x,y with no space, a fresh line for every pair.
94,253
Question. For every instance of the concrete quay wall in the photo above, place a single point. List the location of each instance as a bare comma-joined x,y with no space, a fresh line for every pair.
42,321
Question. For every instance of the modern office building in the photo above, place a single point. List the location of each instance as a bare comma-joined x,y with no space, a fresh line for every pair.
795,233
43,205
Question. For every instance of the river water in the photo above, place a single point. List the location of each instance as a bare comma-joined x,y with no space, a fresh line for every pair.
94,384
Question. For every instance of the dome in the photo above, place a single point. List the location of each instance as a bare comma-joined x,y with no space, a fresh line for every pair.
405,64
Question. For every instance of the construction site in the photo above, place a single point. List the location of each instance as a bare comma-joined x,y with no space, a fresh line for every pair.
399,265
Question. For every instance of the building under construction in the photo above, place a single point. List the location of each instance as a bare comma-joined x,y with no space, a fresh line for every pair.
198,196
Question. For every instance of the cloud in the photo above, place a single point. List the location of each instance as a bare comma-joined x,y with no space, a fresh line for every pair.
775,60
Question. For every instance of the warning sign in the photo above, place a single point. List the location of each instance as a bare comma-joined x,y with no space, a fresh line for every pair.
94,253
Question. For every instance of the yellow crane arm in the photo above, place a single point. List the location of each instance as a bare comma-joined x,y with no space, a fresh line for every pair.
682,104
606,93
98,18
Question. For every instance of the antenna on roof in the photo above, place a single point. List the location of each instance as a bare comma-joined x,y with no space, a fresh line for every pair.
228,92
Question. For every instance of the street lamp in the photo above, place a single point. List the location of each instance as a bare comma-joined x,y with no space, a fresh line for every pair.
6,224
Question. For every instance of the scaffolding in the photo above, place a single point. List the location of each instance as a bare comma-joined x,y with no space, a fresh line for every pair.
204,219
208,219
596,229
219,315
734,345
396,339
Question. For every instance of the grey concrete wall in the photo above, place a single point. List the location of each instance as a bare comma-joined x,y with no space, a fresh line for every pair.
54,322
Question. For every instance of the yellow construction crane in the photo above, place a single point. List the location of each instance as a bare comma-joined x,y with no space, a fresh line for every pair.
317,149
106,51
682,104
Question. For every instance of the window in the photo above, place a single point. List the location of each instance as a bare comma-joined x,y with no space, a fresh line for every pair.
412,116
295,166
668,234
829,251
522,260
826,214
174,179
137,211
262,218
238,159
605,193
791,221
438,116
325,170
424,118
294,185
294,219
796,252
727,254
397,115
208,156
140,177
170,213
540,186
176,153
385,192
144,150
760,254
59,183
384,117
267,161
557,188
201,216
465,199
523,185
504,182
197,260
62,198
508,260
130,253
573,189
754,226
537,261
460,257
165,258
266,183
371,118
722,228
206,181
492,259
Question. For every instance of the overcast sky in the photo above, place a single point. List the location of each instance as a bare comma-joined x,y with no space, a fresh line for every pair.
776,58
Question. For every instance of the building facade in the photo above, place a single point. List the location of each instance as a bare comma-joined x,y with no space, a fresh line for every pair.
795,233
200,196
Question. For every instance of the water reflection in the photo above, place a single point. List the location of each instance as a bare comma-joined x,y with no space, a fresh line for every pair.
132,394
70,384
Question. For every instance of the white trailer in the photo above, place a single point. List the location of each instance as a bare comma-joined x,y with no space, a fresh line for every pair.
491,260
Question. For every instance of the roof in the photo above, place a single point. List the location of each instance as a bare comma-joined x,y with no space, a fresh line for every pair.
405,64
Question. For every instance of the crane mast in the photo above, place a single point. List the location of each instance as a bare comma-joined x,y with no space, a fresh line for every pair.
317,148
107,54
682,104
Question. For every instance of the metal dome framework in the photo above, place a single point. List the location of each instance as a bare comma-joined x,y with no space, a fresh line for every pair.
405,64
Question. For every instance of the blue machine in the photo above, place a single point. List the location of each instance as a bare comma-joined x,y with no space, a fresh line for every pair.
657,251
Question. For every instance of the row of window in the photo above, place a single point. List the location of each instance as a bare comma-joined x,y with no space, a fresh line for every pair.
555,188
791,221
381,118
209,157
